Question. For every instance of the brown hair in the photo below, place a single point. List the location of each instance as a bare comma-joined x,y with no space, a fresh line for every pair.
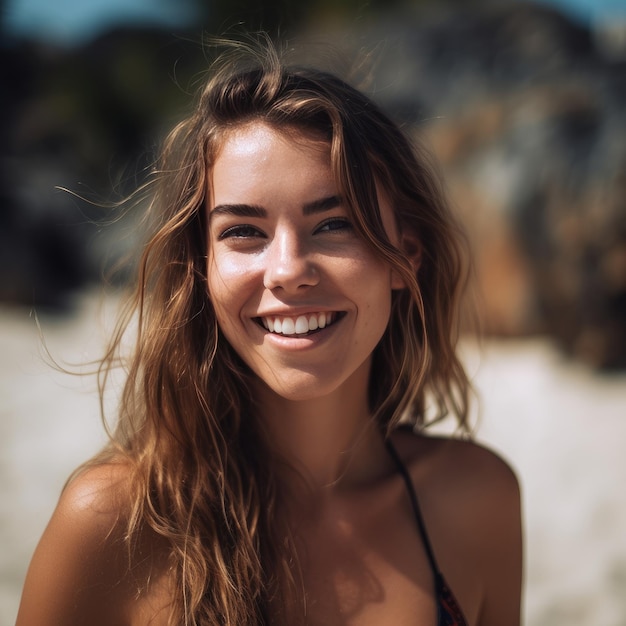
202,475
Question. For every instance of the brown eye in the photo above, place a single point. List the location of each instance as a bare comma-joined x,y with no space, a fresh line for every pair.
334,224
243,231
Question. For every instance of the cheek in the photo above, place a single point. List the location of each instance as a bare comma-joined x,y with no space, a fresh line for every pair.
223,268
370,271
232,286
221,283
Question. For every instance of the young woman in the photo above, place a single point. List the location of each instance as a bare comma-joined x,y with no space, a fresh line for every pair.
296,317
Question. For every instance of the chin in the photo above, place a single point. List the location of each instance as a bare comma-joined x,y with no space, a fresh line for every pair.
302,387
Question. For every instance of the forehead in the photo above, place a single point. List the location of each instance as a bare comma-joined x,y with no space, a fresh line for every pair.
257,162
244,140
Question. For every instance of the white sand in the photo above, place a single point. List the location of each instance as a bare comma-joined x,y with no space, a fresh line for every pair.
562,427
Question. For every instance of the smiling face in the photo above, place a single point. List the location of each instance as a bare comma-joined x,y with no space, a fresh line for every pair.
297,292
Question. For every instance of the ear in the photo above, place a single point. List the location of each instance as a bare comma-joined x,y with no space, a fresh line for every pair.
412,247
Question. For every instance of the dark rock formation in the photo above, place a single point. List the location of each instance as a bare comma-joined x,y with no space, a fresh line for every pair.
84,120
529,121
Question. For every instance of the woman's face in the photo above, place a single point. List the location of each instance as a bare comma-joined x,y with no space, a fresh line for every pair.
297,293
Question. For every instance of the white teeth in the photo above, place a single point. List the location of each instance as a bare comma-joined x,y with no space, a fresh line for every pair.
289,328
302,325
298,326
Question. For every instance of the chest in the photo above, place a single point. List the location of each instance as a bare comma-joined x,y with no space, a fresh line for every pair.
365,569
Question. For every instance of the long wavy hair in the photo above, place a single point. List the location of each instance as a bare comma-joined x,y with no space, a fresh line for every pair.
201,472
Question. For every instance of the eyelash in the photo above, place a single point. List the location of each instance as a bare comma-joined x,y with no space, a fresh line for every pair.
334,223
245,231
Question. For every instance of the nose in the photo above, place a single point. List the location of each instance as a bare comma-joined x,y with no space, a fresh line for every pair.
289,264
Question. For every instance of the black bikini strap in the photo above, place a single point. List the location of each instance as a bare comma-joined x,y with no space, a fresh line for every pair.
415,505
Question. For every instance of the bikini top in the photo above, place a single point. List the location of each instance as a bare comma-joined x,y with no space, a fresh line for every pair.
448,610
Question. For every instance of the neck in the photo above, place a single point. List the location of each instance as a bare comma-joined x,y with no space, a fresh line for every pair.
330,442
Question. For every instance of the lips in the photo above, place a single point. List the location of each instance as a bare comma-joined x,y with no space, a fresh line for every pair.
298,325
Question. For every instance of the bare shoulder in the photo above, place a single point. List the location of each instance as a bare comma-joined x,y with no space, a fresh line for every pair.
470,500
82,571
471,473
96,497
461,479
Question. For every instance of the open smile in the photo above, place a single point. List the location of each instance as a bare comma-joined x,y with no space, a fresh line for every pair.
300,325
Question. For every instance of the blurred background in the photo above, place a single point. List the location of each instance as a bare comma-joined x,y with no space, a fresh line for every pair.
524,104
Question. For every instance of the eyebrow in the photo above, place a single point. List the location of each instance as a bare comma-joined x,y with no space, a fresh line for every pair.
255,210
238,210
321,205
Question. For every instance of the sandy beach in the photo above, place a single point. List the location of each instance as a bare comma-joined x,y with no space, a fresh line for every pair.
561,426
